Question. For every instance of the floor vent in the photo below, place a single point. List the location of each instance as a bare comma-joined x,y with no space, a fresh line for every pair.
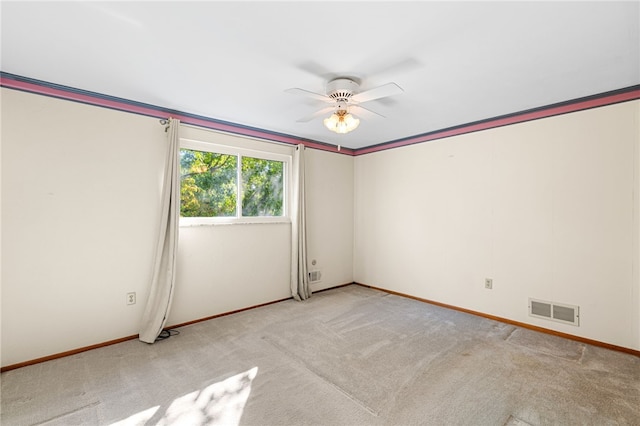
315,276
568,314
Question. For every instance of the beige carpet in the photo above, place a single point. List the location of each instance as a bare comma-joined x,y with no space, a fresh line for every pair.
348,356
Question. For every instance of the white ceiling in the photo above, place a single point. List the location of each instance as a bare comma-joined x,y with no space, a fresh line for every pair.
458,62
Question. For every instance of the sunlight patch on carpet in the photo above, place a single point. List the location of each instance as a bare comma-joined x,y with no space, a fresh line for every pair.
514,421
140,418
220,403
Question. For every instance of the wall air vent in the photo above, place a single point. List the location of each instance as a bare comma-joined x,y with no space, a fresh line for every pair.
315,277
560,312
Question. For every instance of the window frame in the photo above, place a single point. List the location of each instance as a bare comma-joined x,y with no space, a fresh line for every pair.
239,152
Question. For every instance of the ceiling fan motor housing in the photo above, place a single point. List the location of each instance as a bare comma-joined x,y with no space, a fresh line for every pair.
341,89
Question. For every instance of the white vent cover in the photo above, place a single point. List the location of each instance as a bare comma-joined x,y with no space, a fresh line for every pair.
560,312
315,276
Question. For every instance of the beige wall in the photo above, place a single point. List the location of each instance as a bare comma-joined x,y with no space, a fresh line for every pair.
545,208
80,192
330,217
80,196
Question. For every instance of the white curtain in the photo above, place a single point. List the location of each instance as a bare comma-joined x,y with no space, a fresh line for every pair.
164,271
299,276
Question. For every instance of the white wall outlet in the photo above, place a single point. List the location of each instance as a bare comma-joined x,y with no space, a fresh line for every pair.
131,298
488,283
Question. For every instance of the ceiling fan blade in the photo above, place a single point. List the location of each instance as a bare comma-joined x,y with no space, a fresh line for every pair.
316,114
383,91
361,111
309,94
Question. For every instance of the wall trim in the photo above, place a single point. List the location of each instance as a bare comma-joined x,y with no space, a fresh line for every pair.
39,87
66,353
124,339
511,322
444,305
25,84
580,104
135,336
224,314
246,309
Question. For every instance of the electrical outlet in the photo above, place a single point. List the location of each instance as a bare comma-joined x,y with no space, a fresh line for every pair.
131,298
488,283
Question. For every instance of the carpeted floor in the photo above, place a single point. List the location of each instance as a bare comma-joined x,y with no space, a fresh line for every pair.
348,356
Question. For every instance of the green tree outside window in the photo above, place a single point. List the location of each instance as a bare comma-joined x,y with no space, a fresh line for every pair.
209,185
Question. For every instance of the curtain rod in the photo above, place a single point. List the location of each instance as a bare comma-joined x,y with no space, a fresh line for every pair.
165,122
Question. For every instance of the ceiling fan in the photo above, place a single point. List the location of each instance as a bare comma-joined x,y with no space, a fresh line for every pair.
345,99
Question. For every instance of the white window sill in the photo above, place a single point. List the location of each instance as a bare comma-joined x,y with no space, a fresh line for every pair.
192,222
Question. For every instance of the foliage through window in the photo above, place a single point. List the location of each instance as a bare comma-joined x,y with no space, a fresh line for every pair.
262,187
209,184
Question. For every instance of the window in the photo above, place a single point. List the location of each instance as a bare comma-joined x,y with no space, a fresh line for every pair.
222,184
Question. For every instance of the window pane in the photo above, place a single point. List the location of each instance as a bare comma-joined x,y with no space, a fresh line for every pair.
208,184
262,187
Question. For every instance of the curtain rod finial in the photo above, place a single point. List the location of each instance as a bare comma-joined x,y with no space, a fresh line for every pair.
165,122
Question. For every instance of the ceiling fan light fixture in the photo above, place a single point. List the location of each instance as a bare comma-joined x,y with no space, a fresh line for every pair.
341,122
